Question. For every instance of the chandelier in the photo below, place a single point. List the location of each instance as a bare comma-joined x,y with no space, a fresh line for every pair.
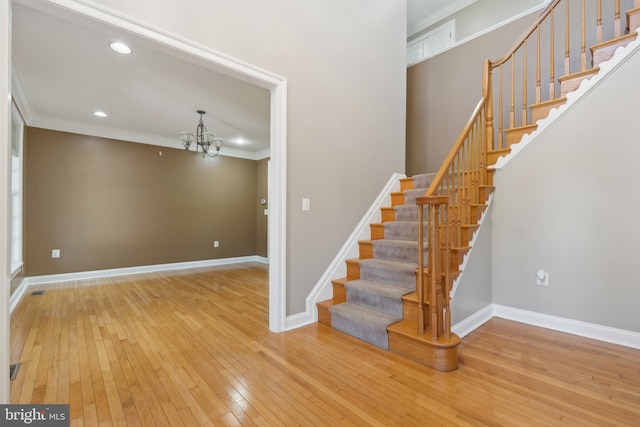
206,142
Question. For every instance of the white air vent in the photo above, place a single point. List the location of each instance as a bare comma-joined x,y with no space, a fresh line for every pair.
431,43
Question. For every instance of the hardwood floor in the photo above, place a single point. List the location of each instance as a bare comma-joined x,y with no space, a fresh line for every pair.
191,348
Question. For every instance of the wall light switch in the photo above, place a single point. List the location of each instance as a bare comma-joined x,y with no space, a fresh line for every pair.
306,204
216,244
55,253
266,211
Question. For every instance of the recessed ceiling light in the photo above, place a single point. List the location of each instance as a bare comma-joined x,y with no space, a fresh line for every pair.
120,47
100,114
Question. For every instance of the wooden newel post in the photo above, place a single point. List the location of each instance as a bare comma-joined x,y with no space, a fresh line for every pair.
434,252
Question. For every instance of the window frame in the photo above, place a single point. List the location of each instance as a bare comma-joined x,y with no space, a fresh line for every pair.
17,190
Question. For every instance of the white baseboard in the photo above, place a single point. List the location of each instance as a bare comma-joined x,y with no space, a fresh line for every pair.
575,327
17,295
299,320
261,259
84,275
473,322
561,324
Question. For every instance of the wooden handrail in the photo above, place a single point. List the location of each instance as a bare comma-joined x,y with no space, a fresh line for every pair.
525,66
449,198
453,197
527,34
454,150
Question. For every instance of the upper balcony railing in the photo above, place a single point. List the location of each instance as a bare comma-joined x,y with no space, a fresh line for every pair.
556,47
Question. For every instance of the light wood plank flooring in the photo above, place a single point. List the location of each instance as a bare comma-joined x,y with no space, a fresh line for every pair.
192,348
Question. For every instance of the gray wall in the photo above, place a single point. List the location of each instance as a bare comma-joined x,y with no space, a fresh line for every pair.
346,78
443,91
474,292
568,204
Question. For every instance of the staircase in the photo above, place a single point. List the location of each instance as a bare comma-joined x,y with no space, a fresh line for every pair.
377,301
396,294
369,299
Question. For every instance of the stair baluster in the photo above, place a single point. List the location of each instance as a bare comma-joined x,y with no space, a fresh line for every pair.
457,195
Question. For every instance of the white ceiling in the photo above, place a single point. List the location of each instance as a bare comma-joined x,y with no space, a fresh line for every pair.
66,71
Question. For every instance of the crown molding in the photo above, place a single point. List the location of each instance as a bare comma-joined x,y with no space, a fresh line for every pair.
263,154
19,94
441,14
129,136
278,140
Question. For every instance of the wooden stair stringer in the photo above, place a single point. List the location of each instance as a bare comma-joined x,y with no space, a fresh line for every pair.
604,51
542,109
514,135
571,82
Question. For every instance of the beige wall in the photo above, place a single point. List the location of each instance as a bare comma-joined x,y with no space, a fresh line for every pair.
110,204
344,61
481,15
262,221
443,91
568,205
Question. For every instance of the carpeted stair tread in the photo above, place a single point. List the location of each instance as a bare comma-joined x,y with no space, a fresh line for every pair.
406,212
363,323
395,273
402,230
399,250
376,296
374,301
410,195
423,180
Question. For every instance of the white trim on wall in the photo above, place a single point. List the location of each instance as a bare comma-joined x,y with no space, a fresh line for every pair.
115,272
420,48
249,73
277,228
571,326
453,7
129,136
561,324
323,289
473,322
5,194
482,33
61,125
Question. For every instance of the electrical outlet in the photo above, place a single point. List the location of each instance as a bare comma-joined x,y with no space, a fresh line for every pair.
216,244
542,278
55,253
306,204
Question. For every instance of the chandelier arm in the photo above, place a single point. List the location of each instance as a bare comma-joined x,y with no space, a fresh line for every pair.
215,154
203,139
187,140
